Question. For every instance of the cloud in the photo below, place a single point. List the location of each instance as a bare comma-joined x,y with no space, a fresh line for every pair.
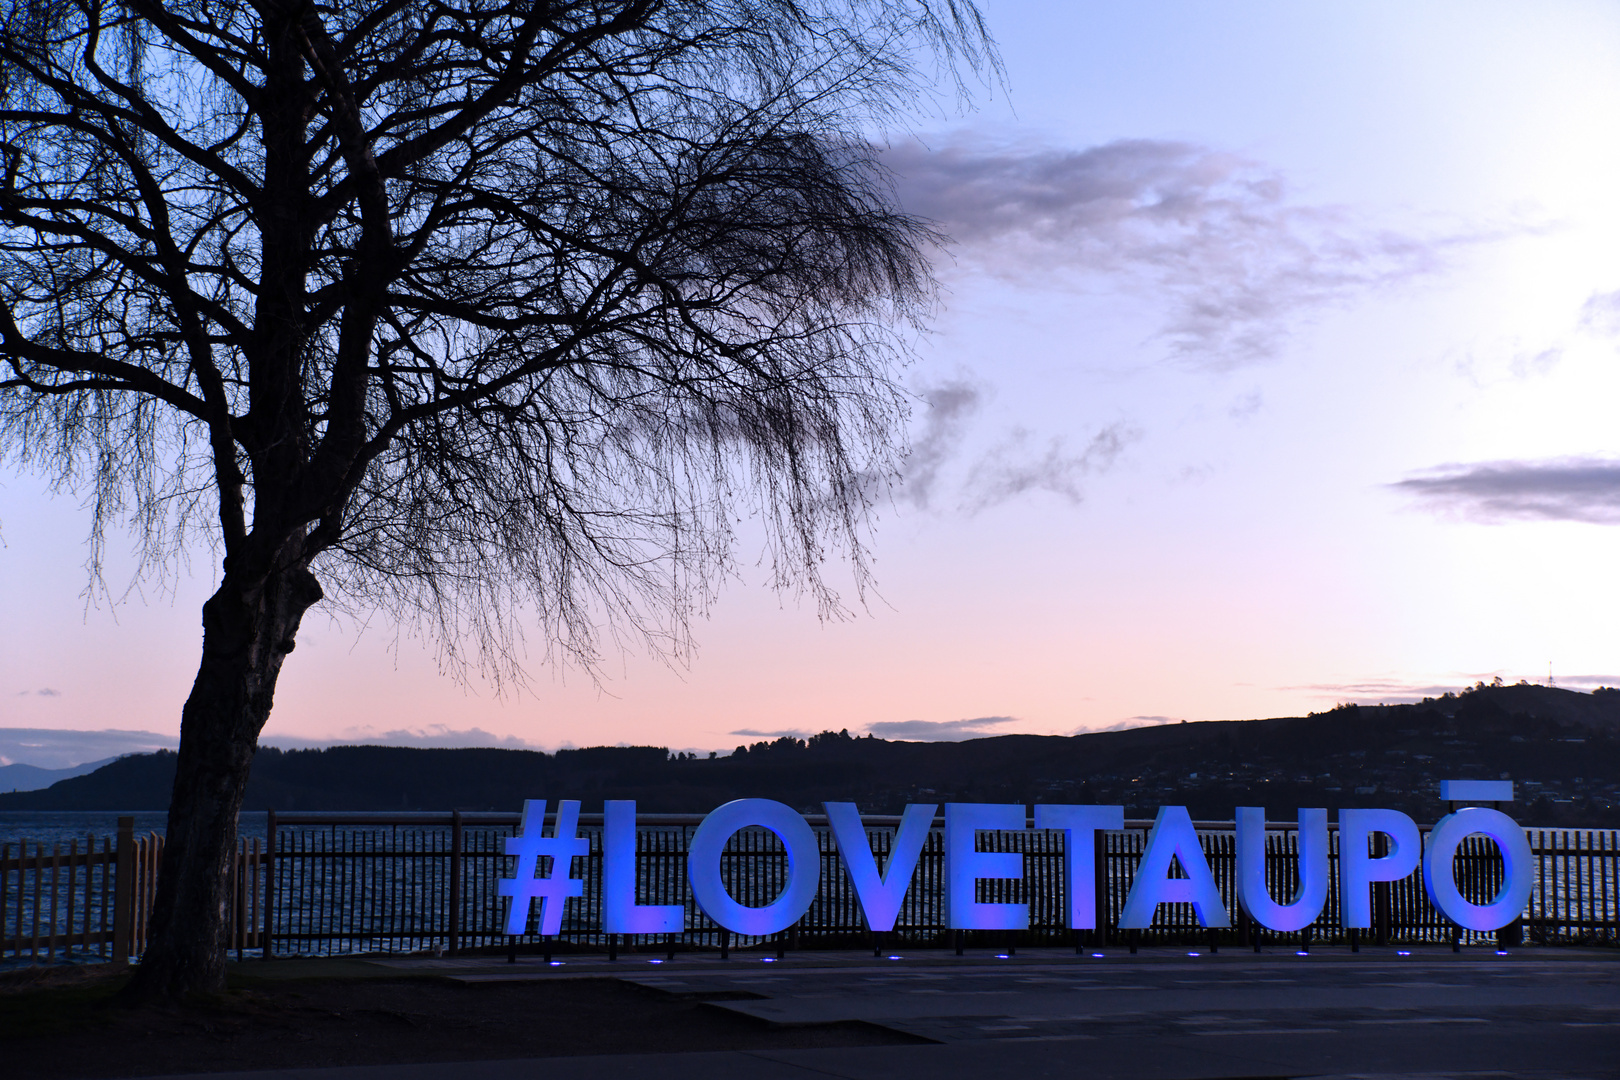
44,692
1386,691
434,735
1247,406
1021,463
1214,235
1401,692
1562,489
1586,682
1524,365
1601,313
53,748
1133,722
1012,468
786,733
939,730
950,405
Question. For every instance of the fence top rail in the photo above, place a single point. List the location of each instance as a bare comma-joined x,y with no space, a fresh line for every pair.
489,818
508,819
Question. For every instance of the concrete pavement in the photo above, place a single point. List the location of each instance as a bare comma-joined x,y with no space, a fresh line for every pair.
1159,1015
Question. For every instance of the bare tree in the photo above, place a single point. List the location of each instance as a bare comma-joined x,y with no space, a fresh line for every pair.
454,308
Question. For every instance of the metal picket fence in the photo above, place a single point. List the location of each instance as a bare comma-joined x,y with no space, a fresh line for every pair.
337,883
414,882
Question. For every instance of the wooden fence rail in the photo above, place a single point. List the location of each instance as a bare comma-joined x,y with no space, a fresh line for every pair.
333,883
95,899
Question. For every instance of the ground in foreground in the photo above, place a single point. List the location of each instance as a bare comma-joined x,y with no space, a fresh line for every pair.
63,1024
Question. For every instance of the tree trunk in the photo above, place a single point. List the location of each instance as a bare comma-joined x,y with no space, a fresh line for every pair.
248,629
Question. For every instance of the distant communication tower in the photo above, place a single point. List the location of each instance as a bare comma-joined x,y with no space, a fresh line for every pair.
1549,673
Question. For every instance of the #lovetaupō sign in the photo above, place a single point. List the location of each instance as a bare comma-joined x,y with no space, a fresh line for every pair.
879,892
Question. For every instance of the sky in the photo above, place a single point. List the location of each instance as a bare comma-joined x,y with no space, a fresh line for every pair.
1275,368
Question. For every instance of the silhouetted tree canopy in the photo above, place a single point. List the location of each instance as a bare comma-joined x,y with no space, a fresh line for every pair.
480,311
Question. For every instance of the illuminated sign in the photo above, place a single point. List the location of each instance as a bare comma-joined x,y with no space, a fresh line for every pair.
544,869
1172,837
1252,893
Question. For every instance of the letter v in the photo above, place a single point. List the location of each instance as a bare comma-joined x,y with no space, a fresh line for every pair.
879,894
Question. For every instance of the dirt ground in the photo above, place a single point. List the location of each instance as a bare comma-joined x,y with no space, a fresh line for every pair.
65,1024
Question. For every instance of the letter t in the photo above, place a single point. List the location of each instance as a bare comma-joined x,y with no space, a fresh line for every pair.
1080,825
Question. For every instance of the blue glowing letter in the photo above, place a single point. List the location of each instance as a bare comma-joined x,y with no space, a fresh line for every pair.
1518,868
620,912
965,864
1306,905
1080,825
879,895
559,883
1173,837
804,866
1358,870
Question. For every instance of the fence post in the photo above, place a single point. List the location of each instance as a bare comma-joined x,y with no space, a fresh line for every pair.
455,882
124,891
56,892
5,891
244,900
268,942
1381,896
1100,885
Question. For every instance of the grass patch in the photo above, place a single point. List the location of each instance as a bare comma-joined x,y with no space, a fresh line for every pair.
45,1001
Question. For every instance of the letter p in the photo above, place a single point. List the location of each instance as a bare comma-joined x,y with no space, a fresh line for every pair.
1358,869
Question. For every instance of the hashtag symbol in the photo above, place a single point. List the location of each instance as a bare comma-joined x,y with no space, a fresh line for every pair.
558,883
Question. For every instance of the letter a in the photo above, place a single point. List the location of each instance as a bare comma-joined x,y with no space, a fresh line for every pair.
1173,836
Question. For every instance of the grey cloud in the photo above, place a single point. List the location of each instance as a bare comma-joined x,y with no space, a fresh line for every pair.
1135,722
939,730
434,735
1019,464
1398,692
1383,691
51,748
1589,682
1214,233
1565,489
950,405
1524,365
786,733
1014,468
1601,313
1246,406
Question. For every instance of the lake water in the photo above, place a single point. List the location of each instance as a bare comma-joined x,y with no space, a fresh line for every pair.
50,827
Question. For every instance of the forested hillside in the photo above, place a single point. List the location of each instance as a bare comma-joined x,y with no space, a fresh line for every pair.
1561,748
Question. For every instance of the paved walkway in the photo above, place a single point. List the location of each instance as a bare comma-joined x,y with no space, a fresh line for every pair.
1159,1015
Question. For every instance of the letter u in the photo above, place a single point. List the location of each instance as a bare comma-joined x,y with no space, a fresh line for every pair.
1256,899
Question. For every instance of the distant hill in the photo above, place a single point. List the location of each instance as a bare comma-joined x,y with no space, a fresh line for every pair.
33,778
1561,748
